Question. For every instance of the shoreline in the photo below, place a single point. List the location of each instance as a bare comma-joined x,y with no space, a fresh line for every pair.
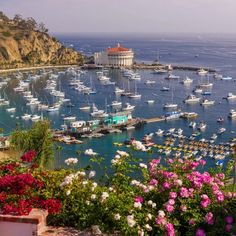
2,71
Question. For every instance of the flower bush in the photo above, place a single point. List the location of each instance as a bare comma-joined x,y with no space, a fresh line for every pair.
161,197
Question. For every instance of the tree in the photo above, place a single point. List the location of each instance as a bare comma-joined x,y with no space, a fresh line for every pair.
31,23
3,16
18,18
37,138
42,28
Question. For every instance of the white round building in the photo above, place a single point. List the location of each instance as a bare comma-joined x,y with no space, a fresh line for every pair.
116,56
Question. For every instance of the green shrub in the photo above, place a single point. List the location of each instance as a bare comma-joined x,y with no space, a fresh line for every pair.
6,34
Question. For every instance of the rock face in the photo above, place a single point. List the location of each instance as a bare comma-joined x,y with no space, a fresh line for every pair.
23,45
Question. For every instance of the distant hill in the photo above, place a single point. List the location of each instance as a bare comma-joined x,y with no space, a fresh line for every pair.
24,42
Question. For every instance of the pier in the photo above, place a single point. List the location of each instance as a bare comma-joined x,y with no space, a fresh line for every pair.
154,119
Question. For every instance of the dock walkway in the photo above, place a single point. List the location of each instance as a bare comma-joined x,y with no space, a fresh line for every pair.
154,120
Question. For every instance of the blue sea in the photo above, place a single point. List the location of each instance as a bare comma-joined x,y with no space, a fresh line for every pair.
213,51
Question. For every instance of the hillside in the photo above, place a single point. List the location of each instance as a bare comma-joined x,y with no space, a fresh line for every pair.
23,42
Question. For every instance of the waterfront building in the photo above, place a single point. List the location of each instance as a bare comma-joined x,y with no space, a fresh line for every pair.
116,56
118,118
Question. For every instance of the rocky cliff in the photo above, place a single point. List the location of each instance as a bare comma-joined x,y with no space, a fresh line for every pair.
24,43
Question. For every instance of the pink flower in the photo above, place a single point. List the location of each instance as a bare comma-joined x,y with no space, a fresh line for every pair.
228,228
171,202
153,182
184,192
166,185
160,220
200,232
220,197
170,229
229,219
209,218
183,208
138,199
169,208
191,222
173,195
202,162
170,161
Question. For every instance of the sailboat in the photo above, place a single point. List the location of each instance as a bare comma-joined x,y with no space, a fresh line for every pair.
171,105
135,94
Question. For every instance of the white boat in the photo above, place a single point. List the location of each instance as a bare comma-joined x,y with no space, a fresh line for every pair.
170,106
227,78
232,114
159,71
85,108
119,90
214,137
221,130
202,126
231,96
206,102
98,113
170,76
150,101
159,132
187,81
198,90
35,118
128,107
135,95
202,71
11,110
26,116
135,77
205,85
165,89
171,130
192,124
103,78
52,109
150,82
69,118
217,76
192,99
116,104
179,131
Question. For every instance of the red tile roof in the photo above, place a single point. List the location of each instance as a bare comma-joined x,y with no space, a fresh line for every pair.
117,49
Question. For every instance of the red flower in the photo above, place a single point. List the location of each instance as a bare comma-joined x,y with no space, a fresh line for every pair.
28,156
52,205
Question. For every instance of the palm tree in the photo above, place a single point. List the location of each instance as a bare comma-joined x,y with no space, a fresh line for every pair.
59,148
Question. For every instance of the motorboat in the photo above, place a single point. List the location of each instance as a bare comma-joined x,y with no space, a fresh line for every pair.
159,71
150,101
231,96
220,120
205,85
52,109
192,99
205,93
221,130
206,102
202,72
150,82
232,114
214,137
35,118
187,81
103,78
172,115
171,76
170,106
165,89
116,104
26,116
228,78
159,132
135,95
98,113
192,124
202,126
85,108
198,90
217,76
119,90
11,110
128,107
69,118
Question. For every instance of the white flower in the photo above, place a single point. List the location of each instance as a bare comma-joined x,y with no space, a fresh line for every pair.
92,174
140,232
90,152
93,196
142,165
68,192
135,182
85,182
154,205
117,216
71,161
130,220
148,227
150,202
111,189
149,216
104,196
87,203
115,161
94,184
179,182
138,205
122,153
68,180
161,214
117,156
81,173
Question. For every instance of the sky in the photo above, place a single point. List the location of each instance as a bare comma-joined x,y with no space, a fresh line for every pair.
140,16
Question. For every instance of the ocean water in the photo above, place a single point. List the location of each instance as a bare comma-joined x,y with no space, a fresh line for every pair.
217,52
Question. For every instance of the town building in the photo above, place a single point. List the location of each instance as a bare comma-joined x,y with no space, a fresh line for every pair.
117,56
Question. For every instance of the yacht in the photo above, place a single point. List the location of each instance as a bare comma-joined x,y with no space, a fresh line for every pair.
98,113
192,124
52,109
150,82
118,90
135,77
135,95
26,116
214,137
206,102
172,115
128,107
103,78
231,96
197,90
217,76
192,99
202,72
35,118
85,108
232,114
116,104
206,85
170,106
187,81
227,78
170,76
221,130
69,118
